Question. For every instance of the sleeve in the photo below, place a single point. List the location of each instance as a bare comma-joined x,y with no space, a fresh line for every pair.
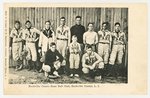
79,47
59,55
70,48
69,35
72,31
83,60
84,38
46,62
37,31
98,57
11,38
40,40
57,31
11,34
96,38
125,40
83,29
53,36
10,41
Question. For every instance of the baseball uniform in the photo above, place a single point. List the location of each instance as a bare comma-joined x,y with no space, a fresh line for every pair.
119,40
46,37
89,60
63,39
31,36
104,44
16,44
74,59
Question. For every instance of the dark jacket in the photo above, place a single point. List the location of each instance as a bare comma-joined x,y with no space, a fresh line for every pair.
51,57
78,30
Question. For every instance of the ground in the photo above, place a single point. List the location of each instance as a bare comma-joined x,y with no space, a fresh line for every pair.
30,77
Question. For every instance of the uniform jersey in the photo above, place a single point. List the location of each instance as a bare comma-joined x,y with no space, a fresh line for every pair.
90,59
74,48
119,38
46,37
104,36
63,32
17,35
31,35
90,38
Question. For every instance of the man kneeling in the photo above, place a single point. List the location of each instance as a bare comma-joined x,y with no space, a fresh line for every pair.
52,61
92,64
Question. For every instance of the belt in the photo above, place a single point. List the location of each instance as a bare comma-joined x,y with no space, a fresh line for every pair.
61,39
91,44
30,42
74,53
103,43
17,41
118,44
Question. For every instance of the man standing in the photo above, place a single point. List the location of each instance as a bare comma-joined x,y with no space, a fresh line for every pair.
104,42
16,42
46,37
78,30
90,37
118,48
31,36
92,63
52,61
63,39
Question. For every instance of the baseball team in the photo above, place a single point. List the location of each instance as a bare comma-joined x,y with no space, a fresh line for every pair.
71,51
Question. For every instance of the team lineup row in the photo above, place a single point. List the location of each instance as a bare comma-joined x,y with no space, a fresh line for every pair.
93,50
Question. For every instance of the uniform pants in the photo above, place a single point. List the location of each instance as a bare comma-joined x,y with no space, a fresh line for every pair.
62,46
103,51
74,61
98,66
117,53
31,51
17,53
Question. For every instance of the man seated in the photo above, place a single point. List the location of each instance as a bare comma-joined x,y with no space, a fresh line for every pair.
52,61
92,64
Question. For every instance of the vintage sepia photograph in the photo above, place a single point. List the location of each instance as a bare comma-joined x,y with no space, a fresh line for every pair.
68,45
75,48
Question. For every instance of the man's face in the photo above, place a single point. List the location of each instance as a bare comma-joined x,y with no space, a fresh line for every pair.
62,21
117,28
90,27
89,51
53,48
28,25
17,26
47,25
104,26
78,21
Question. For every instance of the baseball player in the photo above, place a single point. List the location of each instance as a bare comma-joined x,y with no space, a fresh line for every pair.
75,50
92,63
63,39
52,61
118,48
16,42
31,36
46,37
90,37
104,42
